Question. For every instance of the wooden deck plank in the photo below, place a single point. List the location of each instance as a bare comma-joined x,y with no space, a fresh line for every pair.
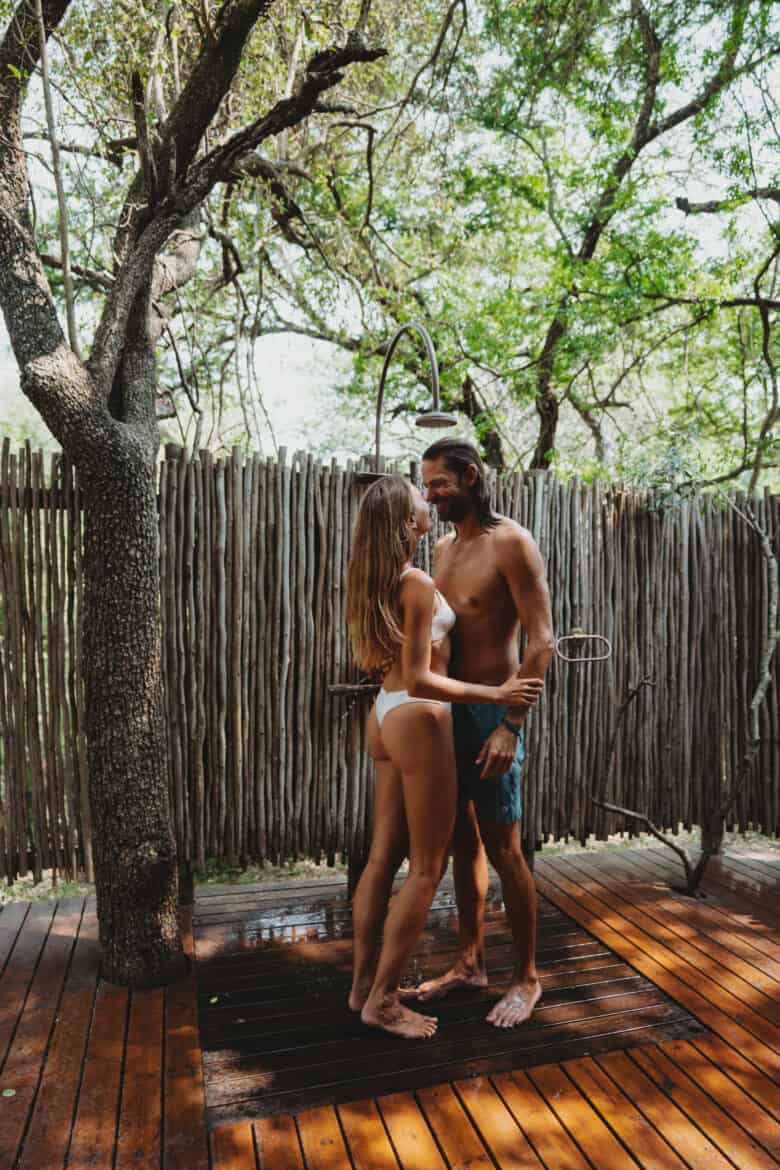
755,921
745,1074
452,1128
140,1118
504,1140
354,1043
698,950
246,1023
544,1131
185,1136
229,941
694,1147
720,881
622,1115
412,1139
233,1147
702,916
20,970
717,1008
49,1129
698,923
740,1107
12,919
750,866
24,1064
380,1059
322,1140
278,1145
367,1141
95,1127
291,1100
713,1121
593,1137
249,992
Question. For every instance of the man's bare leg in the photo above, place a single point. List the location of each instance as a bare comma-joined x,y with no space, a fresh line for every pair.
504,849
471,886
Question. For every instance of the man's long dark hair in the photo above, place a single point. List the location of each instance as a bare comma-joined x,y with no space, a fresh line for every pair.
457,455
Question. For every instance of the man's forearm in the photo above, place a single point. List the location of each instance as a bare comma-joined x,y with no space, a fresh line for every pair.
537,657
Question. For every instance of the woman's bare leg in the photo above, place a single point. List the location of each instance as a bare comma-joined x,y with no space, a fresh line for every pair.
418,738
389,843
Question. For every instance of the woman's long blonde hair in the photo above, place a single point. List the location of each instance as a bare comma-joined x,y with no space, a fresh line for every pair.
381,546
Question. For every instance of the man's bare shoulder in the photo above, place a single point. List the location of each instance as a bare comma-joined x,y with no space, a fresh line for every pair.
514,545
510,535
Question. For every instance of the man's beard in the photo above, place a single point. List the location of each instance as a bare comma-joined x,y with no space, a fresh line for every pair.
454,510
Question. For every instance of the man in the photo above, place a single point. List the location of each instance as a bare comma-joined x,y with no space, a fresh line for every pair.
491,572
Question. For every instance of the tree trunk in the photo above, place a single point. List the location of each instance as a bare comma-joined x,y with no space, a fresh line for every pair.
547,405
472,406
135,850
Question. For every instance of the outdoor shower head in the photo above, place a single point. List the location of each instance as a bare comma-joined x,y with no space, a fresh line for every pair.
430,418
436,418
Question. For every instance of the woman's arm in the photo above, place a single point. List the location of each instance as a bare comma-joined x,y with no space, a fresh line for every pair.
417,600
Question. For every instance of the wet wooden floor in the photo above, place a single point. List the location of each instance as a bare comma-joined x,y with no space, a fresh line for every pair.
94,1077
273,973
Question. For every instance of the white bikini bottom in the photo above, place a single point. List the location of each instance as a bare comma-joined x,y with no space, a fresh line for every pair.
387,700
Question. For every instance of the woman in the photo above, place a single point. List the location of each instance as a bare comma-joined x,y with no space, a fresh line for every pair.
399,624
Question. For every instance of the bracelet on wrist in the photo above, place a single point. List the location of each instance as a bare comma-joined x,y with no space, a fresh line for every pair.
515,728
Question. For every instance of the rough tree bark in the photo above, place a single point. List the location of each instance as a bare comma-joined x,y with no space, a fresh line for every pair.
103,413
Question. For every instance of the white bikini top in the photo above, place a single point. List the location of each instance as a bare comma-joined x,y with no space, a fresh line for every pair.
444,617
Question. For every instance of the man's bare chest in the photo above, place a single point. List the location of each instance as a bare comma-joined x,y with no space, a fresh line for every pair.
471,581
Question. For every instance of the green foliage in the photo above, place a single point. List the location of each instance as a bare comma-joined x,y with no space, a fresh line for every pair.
507,205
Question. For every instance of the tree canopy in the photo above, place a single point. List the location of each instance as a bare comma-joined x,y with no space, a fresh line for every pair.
579,199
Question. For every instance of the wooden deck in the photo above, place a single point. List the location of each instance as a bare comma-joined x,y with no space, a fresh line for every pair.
91,1076
273,976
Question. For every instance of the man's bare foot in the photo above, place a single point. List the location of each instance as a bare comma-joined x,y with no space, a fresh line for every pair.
389,1014
517,1005
456,978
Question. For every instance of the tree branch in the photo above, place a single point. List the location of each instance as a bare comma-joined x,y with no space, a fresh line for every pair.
723,75
711,206
21,46
51,375
682,853
101,281
192,188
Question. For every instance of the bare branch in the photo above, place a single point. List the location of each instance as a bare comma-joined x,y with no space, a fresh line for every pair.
371,132
283,206
112,152
682,853
428,63
148,163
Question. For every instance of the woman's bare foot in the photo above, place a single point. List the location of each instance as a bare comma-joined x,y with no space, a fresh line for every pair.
517,1005
359,993
459,976
389,1014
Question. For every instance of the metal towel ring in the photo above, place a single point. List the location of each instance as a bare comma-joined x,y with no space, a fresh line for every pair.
578,635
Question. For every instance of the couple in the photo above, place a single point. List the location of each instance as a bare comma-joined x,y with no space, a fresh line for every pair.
448,747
